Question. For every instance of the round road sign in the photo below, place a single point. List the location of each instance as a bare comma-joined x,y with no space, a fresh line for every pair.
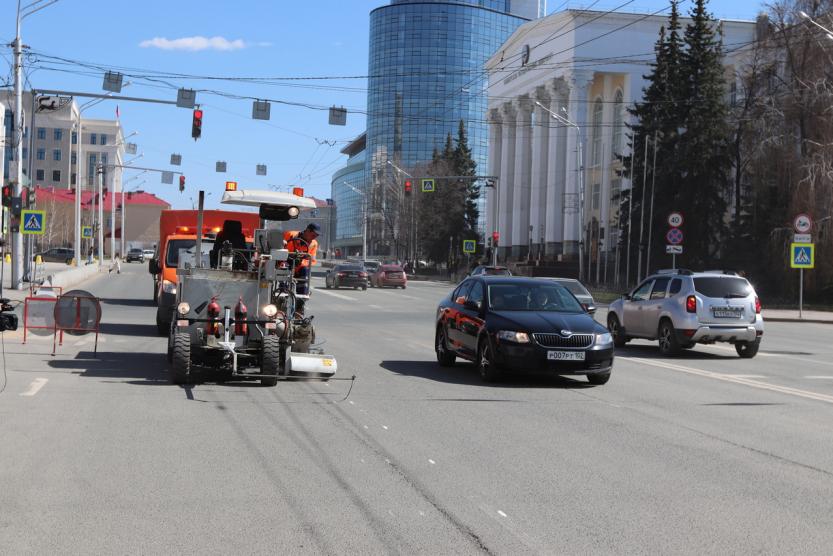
675,219
802,223
674,236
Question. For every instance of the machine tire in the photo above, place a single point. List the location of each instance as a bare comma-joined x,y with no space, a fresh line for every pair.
181,358
162,328
271,360
616,330
486,366
445,357
597,379
748,350
667,338
155,293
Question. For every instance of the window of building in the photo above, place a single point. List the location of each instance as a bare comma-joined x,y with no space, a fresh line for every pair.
104,158
597,195
93,139
618,122
42,133
56,175
41,154
596,122
25,152
74,137
56,155
72,179
59,134
74,158
103,139
39,175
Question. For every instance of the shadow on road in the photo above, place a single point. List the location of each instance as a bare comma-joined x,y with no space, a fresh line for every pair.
465,373
128,329
129,302
150,367
652,352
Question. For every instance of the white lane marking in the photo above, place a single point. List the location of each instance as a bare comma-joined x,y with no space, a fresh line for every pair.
408,296
432,462
730,378
819,377
365,426
334,294
352,402
35,387
747,376
502,514
732,350
385,427
375,307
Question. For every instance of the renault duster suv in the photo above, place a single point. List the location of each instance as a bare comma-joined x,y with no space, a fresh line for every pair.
681,308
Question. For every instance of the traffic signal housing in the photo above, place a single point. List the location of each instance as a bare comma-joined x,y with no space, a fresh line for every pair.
181,184
8,193
196,124
495,238
409,187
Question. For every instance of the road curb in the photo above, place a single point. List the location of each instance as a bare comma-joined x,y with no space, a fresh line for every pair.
68,278
790,319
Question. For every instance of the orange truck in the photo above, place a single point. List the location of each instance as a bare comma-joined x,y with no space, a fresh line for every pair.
178,230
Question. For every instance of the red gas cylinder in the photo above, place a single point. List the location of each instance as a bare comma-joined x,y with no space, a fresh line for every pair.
213,313
240,313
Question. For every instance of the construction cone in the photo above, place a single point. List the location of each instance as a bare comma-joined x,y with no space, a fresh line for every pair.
8,258
38,259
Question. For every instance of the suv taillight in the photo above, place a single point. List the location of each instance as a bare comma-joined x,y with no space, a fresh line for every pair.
757,306
691,304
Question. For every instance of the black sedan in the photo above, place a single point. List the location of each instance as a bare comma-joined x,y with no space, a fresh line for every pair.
519,324
346,276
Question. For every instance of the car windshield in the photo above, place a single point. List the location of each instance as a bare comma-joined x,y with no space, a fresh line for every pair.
497,271
136,251
532,297
350,268
722,287
175,245
574,286
371,265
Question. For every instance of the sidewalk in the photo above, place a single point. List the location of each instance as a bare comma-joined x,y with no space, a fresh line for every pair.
791,315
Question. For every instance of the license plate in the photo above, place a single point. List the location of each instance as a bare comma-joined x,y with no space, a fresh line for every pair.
565,355
727,313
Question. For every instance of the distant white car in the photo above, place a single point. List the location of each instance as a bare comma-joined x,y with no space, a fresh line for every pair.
148,254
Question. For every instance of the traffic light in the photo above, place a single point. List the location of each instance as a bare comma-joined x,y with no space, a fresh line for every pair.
408,187
196,124
8,193
181,184
495,238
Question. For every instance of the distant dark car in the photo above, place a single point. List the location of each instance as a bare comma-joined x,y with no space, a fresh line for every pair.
135,255
524,325
57,255
486,270
346,276
577,289
389,275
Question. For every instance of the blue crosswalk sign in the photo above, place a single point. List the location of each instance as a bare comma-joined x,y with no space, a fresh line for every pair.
802,255
34,221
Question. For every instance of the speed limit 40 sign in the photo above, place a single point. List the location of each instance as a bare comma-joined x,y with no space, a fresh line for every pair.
675,219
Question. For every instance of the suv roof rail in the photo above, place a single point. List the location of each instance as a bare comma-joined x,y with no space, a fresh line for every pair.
681,271
726,272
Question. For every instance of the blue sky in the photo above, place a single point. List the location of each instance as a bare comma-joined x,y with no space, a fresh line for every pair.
256,38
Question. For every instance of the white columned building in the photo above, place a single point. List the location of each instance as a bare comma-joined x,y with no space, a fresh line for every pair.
587,67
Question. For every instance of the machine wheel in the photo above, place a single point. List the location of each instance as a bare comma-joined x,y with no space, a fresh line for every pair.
162,328
598,378
486,366
616,330
667,337
271,361
155,294
181,358
445,357
748,350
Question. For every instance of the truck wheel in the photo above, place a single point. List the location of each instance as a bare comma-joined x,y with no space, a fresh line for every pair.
271,361
155,293
162,327
181,358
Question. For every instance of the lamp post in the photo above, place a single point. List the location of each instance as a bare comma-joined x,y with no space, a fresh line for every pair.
124,207
364,219
579,153
113,200
827,31
412,226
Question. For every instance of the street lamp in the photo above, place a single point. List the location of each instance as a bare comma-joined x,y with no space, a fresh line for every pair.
364,218
827,31
579,153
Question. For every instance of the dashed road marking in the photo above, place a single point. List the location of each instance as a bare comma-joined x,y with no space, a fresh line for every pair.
747,376
35,387
819,377
432,462
501,513
737,380
375,307
385,427
334,294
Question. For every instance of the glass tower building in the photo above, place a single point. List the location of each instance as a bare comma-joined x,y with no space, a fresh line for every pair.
426,74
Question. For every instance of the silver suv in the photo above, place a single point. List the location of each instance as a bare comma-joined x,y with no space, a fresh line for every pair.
680,308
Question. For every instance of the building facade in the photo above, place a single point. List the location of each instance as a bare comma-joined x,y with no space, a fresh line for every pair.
348,189
559,180
426,75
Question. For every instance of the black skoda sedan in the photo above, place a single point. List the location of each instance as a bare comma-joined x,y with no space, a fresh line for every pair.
515,324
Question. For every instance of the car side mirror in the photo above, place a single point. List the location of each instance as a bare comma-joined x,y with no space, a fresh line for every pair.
153,266
473,305
591,309
626,296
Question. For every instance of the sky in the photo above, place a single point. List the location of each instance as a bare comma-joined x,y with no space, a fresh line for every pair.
71,43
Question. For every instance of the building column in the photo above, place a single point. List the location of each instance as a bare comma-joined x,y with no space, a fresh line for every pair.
507,176
495,146
523,161
576,194
556,172
538,189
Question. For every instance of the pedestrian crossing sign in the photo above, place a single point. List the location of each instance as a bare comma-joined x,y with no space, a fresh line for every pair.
469,246
428,185
34,221
802,255
87,232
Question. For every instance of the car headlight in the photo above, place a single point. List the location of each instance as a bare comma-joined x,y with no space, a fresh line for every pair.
270,311
604,339
512,336
183,308
168,287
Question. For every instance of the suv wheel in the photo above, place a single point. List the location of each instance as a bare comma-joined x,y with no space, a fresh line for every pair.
748,350
617,331
668,343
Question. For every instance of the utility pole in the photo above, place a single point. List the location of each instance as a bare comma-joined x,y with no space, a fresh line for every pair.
17,238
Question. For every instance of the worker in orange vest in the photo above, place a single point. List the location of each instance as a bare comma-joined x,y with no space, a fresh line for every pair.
303,242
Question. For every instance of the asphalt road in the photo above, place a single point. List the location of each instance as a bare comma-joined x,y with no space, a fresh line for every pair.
705,453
